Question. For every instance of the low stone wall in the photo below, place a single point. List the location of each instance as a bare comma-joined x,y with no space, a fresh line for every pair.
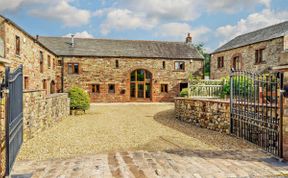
207,113
41,110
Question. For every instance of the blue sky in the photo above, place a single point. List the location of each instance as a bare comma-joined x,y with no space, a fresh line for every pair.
209,21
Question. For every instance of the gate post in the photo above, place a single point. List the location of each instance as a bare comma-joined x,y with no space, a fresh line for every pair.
285,121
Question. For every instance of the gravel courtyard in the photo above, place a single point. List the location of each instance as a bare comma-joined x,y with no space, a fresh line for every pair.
139,140
123,127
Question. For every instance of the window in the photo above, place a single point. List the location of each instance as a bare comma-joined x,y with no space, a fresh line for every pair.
26,83
44,84
180,65
95,88
111,88
220,62
52,87
236,63
59,62
49,61
164,88
41,62
117,64
259,56
73,68
54,64
17,45
163,65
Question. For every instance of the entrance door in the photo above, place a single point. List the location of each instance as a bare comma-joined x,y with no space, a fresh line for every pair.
140,85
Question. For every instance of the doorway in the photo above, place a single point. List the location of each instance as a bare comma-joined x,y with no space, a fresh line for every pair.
140,85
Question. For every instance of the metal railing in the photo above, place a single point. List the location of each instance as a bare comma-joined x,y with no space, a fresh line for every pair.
205,88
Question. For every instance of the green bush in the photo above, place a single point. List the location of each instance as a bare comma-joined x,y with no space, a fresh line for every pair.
184,92
242,86
79,99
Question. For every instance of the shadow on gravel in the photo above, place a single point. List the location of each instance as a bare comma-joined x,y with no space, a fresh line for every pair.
229,146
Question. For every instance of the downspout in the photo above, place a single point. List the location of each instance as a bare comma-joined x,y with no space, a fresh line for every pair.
62,75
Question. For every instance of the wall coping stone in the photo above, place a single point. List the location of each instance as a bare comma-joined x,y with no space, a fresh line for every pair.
204,99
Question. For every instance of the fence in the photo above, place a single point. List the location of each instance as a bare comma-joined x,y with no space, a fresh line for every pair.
205,88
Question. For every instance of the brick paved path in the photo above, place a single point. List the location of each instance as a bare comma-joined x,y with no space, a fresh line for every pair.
157,164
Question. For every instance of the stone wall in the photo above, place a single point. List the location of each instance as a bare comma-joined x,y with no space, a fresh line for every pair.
29,57
205,113
102,71
271,56
42,111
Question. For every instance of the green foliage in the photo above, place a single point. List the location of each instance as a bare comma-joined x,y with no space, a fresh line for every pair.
243,86
79,99
207,58
184,92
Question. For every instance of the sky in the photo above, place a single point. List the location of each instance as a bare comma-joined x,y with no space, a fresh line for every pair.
211,22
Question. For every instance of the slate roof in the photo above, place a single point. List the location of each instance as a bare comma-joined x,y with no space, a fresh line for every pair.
264,34
120,48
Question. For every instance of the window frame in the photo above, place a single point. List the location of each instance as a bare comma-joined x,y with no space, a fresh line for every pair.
41,61
164,88
95,87
259,57
114,89
220,62
73,68
17,45
49,61
181,70
44,84
26,82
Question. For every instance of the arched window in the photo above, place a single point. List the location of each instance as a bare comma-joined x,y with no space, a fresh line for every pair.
140,84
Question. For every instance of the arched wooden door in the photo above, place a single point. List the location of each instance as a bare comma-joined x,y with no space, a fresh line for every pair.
140,85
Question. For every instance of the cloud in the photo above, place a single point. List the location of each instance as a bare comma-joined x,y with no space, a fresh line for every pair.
63,11
187,10
253,22
83,34
124,19
179,31
229,6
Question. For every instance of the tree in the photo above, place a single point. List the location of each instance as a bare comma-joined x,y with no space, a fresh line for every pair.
207,58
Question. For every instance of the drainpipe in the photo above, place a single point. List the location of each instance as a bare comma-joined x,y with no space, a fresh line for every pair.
62,75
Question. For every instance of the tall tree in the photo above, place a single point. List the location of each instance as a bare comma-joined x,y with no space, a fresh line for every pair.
207,57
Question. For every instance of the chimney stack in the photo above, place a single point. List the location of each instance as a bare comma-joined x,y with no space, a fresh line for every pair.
72,41
189,39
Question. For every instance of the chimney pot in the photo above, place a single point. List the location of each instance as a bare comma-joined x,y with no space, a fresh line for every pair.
189,38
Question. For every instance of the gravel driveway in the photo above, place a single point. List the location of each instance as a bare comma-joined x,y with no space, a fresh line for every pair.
110,128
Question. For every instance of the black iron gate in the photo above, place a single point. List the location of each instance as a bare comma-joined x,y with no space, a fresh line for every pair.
14,115
257,109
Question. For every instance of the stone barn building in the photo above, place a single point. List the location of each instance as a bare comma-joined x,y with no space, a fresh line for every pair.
109,70
255,51
125,70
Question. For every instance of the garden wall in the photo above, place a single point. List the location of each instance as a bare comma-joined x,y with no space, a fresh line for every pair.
42,111
207,113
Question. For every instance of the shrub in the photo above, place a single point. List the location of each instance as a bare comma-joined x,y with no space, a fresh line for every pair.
243,86
184,92
79,99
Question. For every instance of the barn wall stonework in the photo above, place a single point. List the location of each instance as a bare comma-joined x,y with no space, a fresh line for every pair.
29,57
103,71
272,57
